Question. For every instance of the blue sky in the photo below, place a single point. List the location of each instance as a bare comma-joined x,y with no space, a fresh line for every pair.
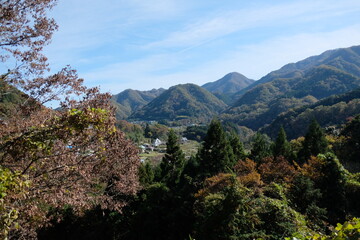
140,44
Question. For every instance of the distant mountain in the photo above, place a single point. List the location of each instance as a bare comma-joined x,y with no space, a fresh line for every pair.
229,84
130,100
345,59
296,85
184,101
334,110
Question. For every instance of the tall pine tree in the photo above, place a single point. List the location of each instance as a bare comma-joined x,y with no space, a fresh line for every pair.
314,142
237,146
173,162
260,147
216,154
281,146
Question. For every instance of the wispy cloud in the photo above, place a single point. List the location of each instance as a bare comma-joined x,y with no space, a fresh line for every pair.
145,44
225,23
253,60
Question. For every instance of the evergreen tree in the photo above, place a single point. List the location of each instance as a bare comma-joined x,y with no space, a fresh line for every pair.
147,131
146,174
352,143
260,148
173,162
281,146
237,146
332,182
216,154
314,142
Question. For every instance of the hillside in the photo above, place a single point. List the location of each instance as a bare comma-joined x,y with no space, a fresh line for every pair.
184,101
10,99
228,85
294,88
345,59
334,110
130,100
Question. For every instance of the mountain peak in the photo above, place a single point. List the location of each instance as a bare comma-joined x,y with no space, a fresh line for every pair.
229,84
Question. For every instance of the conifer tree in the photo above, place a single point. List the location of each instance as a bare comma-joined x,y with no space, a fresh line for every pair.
237,146
173,162
146,174
314,142
147,131
281,146
352,143
260,148
216,154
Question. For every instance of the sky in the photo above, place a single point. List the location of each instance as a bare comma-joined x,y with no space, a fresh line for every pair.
140,44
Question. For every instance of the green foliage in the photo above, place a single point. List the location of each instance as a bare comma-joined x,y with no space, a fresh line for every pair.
334,110
173,162
314,143
146,174
196,133
226,214
352,142
281,146
331,181
237,146
133,132
260,147
147,131
12,186
350,230
155,131
306,199
216,154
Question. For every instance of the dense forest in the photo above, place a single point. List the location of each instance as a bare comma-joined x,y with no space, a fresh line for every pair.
282,162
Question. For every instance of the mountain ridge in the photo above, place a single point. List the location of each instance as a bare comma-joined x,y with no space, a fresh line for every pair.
183,101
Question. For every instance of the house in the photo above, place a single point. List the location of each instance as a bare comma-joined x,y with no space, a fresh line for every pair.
157,142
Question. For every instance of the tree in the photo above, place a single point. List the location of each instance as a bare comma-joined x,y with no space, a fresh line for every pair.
352,142
314,142
237,146
281,146
24,30
260,148
146,174
147,131
216,154
173,162
306,198
74,156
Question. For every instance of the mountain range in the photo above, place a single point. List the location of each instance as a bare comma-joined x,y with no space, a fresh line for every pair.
245,102
130,100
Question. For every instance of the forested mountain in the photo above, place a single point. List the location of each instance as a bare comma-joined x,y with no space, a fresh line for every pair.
184,101
296,85
130,100
225,87
332,111
346,59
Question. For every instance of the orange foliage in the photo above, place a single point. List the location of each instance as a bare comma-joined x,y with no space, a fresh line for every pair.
276,170
313,167
247,174
215,184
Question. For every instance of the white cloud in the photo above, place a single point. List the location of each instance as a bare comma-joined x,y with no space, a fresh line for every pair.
254,61
225,23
